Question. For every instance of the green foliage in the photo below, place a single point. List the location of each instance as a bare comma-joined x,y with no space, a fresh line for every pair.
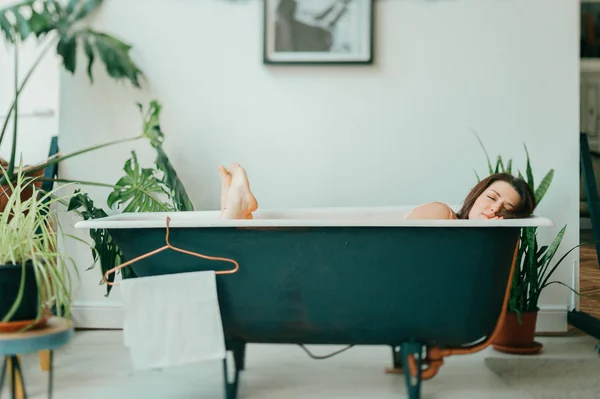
141,189
533,262
29,233
104,250
43,18
61,25
177,192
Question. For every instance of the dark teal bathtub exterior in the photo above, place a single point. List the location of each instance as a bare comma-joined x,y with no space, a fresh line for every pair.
406,287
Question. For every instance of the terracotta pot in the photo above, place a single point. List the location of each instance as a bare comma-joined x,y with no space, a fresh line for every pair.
6,192
517,338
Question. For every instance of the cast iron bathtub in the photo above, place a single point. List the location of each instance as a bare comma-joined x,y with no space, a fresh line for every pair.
347,276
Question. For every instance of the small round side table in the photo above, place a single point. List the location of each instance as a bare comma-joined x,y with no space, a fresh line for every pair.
55,333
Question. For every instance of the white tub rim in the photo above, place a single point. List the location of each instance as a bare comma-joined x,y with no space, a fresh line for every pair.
374,216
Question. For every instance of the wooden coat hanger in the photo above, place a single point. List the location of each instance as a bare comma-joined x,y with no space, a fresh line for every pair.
169,246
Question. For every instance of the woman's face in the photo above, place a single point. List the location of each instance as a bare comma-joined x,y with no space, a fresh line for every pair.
497,200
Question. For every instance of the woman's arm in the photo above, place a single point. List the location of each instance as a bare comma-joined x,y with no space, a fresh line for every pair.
432,210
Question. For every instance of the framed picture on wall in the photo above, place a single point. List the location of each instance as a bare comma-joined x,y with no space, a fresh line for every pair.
590,35
318,31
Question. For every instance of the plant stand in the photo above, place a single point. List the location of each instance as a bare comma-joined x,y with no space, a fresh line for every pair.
56,333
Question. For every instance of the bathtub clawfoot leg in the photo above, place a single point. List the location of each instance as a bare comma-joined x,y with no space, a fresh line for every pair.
239,354
396,361
413,374
231,388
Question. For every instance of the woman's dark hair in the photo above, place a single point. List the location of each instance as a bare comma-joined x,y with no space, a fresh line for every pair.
523,209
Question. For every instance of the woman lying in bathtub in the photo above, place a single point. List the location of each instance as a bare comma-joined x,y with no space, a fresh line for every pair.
498,196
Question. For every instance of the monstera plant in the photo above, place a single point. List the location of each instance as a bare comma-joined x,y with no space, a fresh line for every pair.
141,189
59,25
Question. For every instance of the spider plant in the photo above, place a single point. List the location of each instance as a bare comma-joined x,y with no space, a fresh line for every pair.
29,234
59,25
534,261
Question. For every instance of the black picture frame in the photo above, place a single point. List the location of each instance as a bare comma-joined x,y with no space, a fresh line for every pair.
341,32
590,29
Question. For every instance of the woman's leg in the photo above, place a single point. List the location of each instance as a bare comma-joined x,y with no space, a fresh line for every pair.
240,202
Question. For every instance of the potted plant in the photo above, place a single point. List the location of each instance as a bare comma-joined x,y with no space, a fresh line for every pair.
35,280
59,25
141,189
534,268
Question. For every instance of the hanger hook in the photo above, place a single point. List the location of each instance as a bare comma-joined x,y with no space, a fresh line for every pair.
167,235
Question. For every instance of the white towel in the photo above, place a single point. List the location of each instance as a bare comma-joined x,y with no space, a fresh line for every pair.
172,320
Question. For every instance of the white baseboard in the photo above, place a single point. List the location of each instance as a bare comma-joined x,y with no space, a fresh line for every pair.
552,319
97,315
100,315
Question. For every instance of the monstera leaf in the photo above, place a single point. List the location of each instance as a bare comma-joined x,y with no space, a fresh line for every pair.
104,249
152,131
62,20
139,190
60,25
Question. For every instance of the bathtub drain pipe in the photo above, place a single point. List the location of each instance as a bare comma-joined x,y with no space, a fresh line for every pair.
325,356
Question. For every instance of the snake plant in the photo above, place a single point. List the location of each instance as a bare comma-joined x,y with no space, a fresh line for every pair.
534,266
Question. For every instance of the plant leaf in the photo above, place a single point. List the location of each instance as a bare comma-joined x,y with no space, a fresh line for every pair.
39,23
151,124
547,275
21,25
67,49
528,170
151,130
540,192
71,6
487,157
137,190
547,258
105,249
64,20
89,52
56,10
561,283
509,166
115,55
499,165
6,27
541,252
180,198
79,9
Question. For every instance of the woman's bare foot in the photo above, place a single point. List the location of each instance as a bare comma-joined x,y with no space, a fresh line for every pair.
225,183
240,202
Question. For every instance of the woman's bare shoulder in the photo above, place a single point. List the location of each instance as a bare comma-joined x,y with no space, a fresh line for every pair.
432,210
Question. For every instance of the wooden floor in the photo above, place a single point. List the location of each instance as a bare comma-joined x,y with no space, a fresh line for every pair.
589,284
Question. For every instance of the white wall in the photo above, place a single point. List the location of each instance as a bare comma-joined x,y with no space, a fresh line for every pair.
397,132
38,103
